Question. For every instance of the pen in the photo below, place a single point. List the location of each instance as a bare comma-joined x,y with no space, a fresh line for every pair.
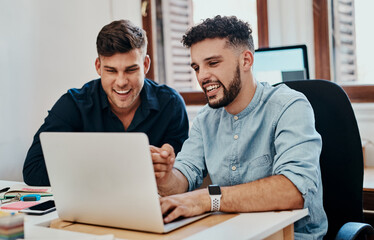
4,189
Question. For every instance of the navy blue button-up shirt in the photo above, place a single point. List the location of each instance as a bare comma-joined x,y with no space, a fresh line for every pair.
161,115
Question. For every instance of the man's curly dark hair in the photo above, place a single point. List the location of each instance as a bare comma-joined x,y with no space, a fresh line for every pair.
237,32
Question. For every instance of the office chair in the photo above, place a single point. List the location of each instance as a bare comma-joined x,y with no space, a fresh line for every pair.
341,158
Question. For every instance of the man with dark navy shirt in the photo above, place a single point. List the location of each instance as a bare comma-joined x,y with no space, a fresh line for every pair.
122,100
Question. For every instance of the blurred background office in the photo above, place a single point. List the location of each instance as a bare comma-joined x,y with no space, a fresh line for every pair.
48,46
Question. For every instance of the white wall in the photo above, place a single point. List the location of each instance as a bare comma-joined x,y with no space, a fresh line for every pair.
46,47
365,117
291,23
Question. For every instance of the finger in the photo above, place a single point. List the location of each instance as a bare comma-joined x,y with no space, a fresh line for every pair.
161,167
157,158
167,150
154,149
177,212
166,204
171,163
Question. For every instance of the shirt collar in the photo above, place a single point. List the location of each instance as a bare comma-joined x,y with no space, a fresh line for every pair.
254,102
148,96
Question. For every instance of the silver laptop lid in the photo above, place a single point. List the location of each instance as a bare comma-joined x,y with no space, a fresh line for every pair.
103,178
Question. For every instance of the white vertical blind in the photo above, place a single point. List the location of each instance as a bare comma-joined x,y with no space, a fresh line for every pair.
177,17
344,40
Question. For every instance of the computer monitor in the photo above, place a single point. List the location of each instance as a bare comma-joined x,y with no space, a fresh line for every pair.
279,64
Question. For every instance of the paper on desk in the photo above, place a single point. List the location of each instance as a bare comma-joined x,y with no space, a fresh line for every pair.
18,205
43,233
24,189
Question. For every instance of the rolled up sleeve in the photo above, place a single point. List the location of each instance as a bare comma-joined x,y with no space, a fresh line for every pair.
190,160
298,147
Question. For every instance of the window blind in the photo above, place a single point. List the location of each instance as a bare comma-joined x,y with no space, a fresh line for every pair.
344,40
177,18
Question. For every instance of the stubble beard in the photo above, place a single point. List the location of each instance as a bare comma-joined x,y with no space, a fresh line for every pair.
229,94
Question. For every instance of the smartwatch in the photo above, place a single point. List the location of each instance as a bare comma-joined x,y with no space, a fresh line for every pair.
215,197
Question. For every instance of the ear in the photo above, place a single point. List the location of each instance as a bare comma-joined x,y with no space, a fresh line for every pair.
147,64
97,66
247,60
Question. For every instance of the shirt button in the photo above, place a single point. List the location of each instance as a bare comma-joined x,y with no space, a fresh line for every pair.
236,137
236,117
233,168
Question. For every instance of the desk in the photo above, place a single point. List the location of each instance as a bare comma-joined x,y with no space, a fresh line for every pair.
262,225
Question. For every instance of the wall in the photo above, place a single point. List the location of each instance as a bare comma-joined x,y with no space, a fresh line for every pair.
365,117
46,47
291,23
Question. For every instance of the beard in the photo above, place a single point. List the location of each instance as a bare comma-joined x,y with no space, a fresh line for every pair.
229,94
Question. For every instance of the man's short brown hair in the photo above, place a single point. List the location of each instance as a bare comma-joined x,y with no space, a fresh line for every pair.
120,37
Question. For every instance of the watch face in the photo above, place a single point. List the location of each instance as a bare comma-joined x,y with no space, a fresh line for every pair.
214,190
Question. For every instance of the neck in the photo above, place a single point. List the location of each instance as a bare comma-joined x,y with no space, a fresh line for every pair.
126,115
244,97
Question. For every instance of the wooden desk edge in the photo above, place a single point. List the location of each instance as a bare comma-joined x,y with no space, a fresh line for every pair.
180,233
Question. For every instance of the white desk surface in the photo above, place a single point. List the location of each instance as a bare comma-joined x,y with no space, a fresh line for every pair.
244,226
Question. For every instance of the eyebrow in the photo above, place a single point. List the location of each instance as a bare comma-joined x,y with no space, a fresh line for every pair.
215,57
129,67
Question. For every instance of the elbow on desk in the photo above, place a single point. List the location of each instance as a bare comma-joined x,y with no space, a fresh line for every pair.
35,177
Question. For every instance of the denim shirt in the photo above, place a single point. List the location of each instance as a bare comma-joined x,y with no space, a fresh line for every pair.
273,135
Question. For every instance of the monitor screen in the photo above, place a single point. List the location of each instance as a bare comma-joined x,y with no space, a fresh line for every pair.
279,64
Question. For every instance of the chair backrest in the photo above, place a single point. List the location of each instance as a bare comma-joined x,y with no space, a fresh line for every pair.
341,158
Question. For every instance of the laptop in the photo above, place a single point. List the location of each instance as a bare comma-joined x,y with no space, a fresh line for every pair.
105,179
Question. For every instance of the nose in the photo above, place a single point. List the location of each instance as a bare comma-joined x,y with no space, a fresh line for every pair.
203,75
122,80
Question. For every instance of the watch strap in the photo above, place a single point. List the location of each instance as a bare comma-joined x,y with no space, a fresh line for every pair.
215,202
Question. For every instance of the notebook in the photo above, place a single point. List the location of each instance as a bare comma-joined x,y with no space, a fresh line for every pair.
105,179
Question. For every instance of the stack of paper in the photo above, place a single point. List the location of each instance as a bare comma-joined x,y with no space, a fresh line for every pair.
11,226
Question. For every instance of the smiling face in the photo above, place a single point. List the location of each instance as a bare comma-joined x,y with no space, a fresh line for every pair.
217,69
122,78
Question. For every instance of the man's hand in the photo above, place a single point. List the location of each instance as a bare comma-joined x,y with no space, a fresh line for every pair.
186,204
163,160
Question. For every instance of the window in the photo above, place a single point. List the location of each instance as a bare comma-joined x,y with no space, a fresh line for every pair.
361,89
344,41
173,18
364,45
352,45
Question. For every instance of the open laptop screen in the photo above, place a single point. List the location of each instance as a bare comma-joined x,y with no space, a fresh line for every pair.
279,64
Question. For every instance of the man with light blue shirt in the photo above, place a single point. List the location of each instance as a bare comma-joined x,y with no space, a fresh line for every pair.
257,142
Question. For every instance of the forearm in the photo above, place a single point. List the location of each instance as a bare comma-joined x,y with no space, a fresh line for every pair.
268,194
176,183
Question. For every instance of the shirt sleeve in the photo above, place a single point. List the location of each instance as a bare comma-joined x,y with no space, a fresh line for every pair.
63,117
177,130
298,147
190,161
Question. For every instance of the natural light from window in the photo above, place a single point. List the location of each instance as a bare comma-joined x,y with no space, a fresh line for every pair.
364,44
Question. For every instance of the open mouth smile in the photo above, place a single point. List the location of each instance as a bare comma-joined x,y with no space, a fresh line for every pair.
121,92
212,89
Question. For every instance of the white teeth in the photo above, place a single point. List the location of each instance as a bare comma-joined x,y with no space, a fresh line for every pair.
121,92
212,87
